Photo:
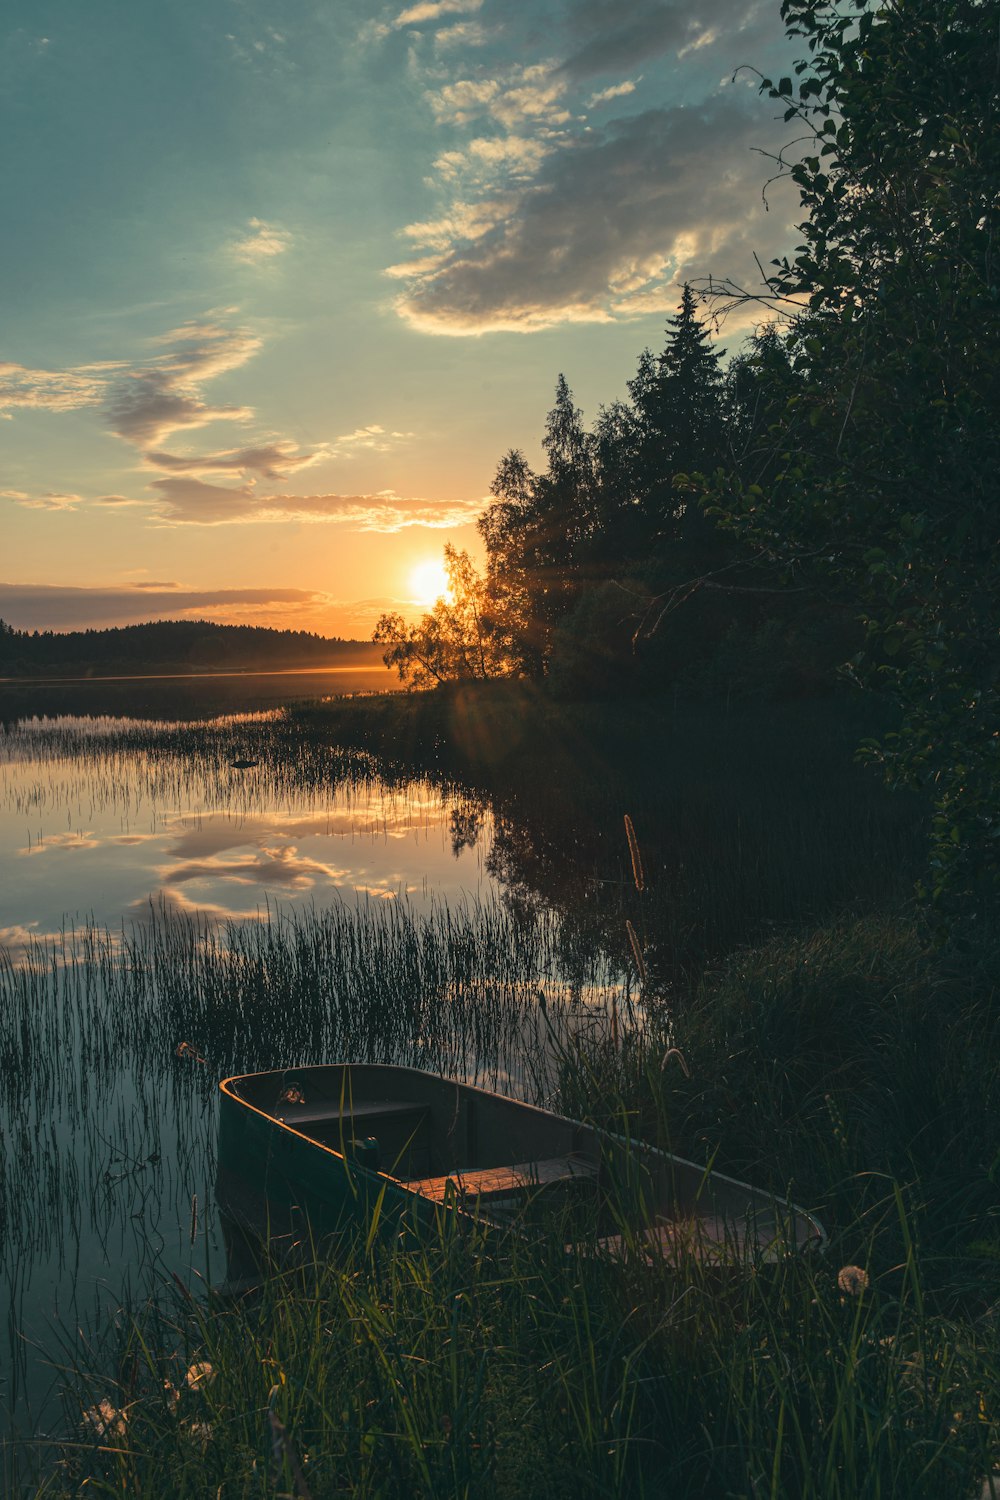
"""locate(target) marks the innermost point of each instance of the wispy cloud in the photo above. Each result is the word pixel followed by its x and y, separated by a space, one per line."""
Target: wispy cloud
pixel 147 400
pixel 433 10
pixel 52 390
pixel 163 395
pixel 616 91
pixel 191 501
pixel 51 500
pixel 261 243
pixel 373 439
pixel 274 460
pixel 463 34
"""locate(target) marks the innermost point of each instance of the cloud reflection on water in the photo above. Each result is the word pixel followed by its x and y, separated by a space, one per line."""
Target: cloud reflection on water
pixel 147 824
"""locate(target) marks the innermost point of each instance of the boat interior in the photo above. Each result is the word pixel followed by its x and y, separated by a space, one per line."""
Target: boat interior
pixel 454 1143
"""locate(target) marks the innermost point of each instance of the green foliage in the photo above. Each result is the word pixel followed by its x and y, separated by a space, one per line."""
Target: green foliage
pixel 884 477
pixel 462 637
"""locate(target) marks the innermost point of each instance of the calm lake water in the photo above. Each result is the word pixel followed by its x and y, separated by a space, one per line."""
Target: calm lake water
pixel 220 881
pixel 97 828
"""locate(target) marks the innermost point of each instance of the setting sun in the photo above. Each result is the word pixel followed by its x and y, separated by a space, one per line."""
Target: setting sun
pixel 428 582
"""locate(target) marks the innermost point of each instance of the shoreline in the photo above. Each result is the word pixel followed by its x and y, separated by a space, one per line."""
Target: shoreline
pixel 187 676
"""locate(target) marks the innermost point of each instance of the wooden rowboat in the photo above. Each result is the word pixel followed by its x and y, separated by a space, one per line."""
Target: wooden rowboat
pixel 349 1141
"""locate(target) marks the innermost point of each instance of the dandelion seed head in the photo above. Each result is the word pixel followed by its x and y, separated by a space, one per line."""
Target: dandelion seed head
pixel 853 1280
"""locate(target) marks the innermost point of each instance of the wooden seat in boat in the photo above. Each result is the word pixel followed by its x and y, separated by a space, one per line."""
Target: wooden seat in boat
pixel 490 1183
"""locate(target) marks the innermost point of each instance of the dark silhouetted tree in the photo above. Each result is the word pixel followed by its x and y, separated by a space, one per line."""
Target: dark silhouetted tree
pixel 886 476
pixel 677 399
pixel 536 530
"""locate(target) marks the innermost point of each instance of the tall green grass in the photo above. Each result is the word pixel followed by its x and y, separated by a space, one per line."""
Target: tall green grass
pixel 852 1068
pixel 112 1045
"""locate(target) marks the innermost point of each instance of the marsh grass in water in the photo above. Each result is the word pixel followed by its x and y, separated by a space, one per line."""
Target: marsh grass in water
pixel 111 1047
pixel 852 1069
pixel 98 817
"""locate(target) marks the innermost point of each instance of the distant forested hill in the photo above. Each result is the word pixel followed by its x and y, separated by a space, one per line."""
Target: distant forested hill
pixel 173 646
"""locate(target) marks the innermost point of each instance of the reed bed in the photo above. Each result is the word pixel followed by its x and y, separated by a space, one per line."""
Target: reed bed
pixel 851 1068
pixel 377 1368
pixel 111 1047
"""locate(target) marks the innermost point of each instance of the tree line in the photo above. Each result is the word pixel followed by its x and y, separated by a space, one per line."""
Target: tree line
pixel 166 645
pixel 830 496
pixel 589 558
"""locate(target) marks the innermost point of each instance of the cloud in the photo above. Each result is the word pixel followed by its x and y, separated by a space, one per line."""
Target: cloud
pixel 277 459
pixel 463 34
pixel 163 396
pixel 372 439
pixel 608 227
pixel 117 501
pixel 616 91
pixel 703 39
pixel 143 402
pixel 489 158
pixel 51 390
pixel 191 501
pixel 29 606
pixel 50 501
pixel 523 94
pixel 464 221
pixel 546 217
pixel 272 460
pixel 146 401
pixel 608 37
pixel 433 10
pixel 261 243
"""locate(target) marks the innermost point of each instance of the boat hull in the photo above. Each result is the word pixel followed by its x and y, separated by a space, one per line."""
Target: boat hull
pixel 341 1144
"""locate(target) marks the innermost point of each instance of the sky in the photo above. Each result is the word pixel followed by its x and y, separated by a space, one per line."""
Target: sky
pixel 284 279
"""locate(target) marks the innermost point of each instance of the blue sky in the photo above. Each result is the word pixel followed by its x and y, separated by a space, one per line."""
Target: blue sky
pixel 284 280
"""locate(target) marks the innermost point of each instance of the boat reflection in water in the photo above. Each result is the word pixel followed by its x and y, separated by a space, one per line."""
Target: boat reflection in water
pixel 325 1147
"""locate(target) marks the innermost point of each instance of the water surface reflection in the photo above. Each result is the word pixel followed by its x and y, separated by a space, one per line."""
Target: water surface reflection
pixel 103 819
pixel 231 885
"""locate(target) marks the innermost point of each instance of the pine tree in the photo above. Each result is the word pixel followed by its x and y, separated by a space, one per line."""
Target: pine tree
pixel 677 400
pixel 537 526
